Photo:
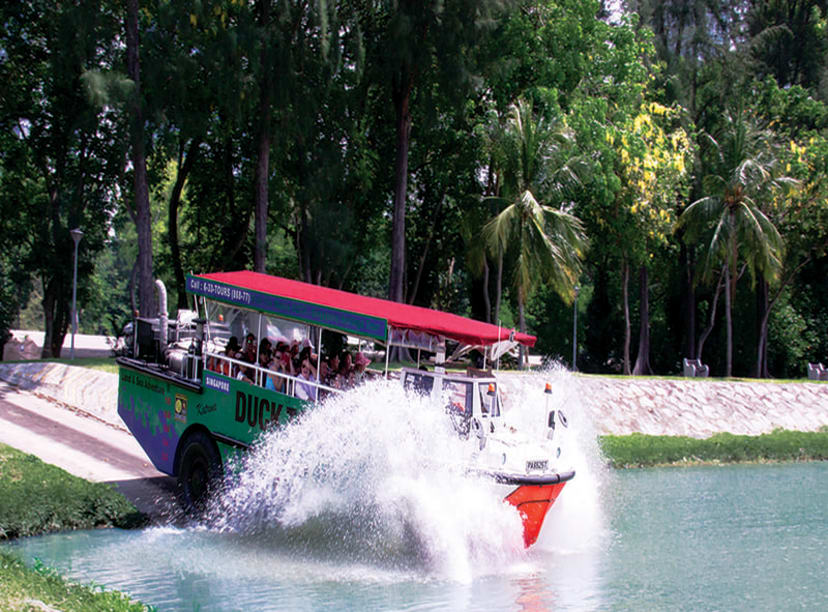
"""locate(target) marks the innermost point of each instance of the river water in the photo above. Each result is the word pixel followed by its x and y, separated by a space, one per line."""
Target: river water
pixel 348 512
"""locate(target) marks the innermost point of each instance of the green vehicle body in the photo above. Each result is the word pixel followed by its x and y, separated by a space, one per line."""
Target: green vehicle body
pixel 161 411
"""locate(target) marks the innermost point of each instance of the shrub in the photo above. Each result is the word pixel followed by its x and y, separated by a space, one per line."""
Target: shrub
pixel 639 450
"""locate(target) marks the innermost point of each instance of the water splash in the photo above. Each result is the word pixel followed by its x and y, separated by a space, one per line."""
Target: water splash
pixel 373 476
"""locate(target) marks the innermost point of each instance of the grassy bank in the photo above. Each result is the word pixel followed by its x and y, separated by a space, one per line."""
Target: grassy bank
pixel 37 498
pixel 41 588
pixel 640 450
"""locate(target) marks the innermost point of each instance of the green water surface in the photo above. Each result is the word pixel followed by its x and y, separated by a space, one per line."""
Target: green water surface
pixel 700 538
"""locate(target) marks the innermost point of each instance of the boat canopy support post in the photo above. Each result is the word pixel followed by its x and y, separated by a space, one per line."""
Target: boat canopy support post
pixel 387 350
pixel 318 354
pixel 259 374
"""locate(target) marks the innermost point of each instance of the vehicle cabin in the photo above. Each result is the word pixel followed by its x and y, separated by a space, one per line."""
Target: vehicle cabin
pixel 467 396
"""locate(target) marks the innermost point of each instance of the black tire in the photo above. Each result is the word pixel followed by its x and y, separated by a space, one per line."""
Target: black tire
pixel 199 471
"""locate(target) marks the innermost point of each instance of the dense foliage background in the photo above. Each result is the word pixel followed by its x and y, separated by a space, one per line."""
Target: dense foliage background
pixel 658 166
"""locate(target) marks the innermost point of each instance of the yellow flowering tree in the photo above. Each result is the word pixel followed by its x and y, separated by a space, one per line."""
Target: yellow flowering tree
pixel 801 217
pixel 653 152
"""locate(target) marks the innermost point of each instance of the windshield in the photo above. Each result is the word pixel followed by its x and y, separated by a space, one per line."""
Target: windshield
pixel 421 383
pixel 459 397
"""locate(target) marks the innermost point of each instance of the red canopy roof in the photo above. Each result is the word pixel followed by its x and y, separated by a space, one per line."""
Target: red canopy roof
pixel 399 316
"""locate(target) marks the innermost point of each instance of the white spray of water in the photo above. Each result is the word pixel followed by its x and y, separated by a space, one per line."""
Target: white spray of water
pixel 374 476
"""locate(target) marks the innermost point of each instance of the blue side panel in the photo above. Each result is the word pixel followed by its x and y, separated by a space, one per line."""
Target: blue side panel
pixel 287 308
pixel 152 426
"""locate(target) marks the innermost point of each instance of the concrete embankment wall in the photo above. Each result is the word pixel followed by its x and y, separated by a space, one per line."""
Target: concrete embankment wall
pixel 701 407
pixel 692 407
pixel 90 391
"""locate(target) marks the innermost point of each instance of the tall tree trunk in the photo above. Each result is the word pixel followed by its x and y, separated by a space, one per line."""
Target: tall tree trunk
pixel 723 279
pixel 642 360
pixel 402 100
pixel 498 286
pixel 625 289
pixel 185 164
pixel 761 328
pixel 487 301
pixel 55 309
pixel 729 284
pixel 132 286
pixel 261 203
pixel 142 206
pixel 304 248
pixel 56 318
pixel 688 302
pixel 262 173
pixel 49 323
pixel 421 266
pixel 229 256
pixel 730 294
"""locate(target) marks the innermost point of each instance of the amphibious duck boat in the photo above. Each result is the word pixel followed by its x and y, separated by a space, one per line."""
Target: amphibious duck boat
pixel 192 400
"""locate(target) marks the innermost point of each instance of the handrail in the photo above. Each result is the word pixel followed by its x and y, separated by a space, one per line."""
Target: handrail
pixel 259 370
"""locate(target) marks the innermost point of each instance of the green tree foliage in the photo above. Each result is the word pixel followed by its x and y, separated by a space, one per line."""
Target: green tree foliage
pixel 410 41
pixel 542 242
pixel 788 42
pixel 348 143
pixel 732 218
pixel 799 121
pixel 68 153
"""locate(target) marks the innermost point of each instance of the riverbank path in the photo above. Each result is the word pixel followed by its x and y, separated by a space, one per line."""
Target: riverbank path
pixel 86 447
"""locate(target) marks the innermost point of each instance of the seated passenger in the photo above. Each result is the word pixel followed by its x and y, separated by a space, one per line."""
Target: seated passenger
pixel 248 354
pixel 305 390
pixel 231 350
pixel 306 353
pixel 265 359
pixel 249 349
pixel 273 379
pixel 283 353
pixel 360 363
pixel 329 368
pixel 246 374
pixel 345 374
pixel 294 349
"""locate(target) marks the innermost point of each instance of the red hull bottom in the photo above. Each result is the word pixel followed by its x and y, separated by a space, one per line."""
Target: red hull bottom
pixel 533 502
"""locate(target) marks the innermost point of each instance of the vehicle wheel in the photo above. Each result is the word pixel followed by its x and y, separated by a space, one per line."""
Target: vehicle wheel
pixel 199 471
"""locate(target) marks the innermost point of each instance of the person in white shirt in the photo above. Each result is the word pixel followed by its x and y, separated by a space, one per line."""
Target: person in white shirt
pixel 304 390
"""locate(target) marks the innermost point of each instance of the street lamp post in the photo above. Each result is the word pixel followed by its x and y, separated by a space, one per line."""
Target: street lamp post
pixel 575 330
pixel 77 234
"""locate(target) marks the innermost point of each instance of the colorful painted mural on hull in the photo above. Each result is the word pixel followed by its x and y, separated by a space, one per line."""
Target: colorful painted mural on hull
pixel 159 411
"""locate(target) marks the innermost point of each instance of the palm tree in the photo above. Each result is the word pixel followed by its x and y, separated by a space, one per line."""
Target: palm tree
pixel 735 228
pixel 543 243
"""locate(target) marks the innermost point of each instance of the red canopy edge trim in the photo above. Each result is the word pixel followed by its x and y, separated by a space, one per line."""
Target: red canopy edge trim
pixel 400 316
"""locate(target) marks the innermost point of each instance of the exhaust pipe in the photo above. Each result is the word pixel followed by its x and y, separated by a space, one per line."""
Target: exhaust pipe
pixel 163 318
